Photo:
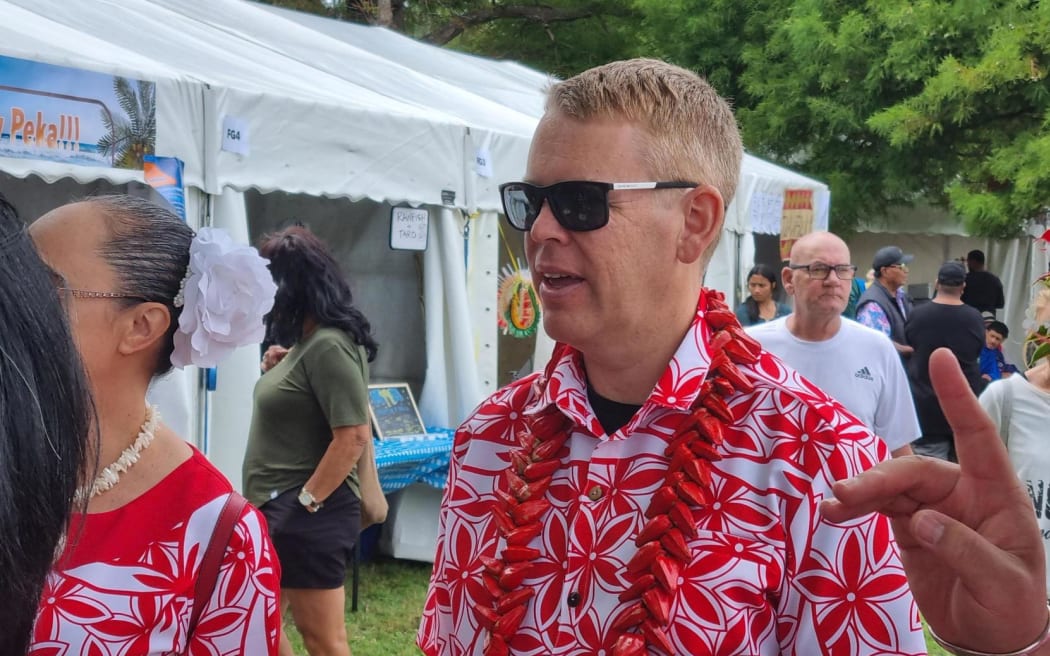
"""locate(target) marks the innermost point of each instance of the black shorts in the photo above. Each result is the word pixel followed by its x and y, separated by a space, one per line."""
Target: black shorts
pixel 314 548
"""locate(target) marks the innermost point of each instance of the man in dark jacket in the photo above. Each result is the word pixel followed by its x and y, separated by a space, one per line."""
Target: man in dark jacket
pixel 885 306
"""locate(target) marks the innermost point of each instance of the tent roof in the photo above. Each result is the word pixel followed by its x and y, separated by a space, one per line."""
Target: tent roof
pixel 508 83
pixel 331 108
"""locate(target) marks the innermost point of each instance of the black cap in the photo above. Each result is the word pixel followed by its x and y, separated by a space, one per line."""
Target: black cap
pixel 951 274
pixel 888 256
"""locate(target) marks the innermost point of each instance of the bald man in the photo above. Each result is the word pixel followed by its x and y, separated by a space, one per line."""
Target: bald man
pixel 852 363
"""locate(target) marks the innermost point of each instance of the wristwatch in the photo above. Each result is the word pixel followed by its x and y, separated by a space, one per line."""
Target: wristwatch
pixel 309 502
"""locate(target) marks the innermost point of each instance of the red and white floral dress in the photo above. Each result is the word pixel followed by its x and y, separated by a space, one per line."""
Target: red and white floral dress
pixel 766 573
pixel 125 585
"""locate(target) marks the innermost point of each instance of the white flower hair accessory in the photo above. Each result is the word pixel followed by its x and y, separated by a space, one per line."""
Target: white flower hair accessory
pixel 225 295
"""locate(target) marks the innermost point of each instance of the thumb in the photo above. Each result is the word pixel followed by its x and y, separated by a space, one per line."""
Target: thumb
pixel 980 565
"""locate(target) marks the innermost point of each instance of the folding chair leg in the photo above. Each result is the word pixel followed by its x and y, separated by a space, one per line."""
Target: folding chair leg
pixel 354 574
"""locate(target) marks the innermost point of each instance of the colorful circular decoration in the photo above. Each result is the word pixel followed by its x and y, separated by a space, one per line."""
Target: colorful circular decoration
pixel 518 303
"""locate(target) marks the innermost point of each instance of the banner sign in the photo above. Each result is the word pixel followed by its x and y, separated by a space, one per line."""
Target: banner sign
pixel 165 175
pixel 796 220
pixel 70 115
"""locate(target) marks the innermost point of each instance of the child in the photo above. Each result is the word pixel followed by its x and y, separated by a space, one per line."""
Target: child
pixel 993 364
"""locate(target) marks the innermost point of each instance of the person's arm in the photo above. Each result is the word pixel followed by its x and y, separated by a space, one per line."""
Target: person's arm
pixel 895 418
pixel 872 316
pixel 337 380
pixel 348 443
pixel 989 364
pixel 243 615
pixel 968 537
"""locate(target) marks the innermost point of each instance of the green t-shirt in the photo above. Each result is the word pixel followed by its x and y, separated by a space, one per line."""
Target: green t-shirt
pixel 321 384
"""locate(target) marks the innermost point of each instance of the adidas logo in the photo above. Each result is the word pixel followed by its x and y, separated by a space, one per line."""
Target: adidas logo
pixel 864 373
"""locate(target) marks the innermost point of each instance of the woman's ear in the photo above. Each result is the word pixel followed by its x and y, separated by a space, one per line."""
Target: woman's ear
pixel 142 326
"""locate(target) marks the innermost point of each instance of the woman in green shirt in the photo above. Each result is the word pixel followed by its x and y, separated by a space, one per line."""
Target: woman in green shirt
pixel 310 425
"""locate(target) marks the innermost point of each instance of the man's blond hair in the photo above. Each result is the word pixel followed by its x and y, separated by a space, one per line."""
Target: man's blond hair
pixel 694 135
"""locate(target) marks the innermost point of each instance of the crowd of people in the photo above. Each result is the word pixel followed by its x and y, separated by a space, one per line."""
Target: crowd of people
pixel 670 483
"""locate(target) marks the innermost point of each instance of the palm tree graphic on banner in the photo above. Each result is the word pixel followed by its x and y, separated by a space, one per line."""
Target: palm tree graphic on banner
pixel 132 134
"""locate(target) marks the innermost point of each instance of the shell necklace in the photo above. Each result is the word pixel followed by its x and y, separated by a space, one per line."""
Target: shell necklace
pixel 110 476
pixel 670 519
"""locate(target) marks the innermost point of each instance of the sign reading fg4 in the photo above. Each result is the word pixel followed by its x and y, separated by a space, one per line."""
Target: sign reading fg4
pixel 38 131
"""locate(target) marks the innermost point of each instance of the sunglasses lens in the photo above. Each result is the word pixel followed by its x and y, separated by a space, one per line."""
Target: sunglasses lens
pixel 580 206
pixel 519 206
pixel 577 206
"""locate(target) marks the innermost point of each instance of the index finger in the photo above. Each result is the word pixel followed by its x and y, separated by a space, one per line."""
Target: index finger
pixel 893 487
pixel 980 450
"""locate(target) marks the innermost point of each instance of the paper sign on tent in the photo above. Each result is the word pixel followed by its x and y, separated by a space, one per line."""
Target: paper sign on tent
pixel 235 135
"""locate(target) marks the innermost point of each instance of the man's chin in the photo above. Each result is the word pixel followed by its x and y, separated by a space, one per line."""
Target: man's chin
pixel 563 327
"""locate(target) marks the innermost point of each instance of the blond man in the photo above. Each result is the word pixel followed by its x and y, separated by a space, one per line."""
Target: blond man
pixel 654 489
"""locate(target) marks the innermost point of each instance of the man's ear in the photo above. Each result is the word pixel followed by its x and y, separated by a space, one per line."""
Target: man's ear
pixel 787 275
pixel 142 326
pixel 704 217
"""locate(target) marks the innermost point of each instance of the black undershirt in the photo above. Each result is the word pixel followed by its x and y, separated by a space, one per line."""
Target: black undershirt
pixel 612 415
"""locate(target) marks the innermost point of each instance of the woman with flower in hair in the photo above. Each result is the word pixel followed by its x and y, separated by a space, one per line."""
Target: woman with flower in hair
pixel 1020 406
pixel 164 558
pixel 310 425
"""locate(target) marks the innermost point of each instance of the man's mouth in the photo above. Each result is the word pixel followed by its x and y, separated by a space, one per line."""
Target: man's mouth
pixel 559 280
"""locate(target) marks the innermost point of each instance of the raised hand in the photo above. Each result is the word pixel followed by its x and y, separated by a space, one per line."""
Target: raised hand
pixel 968 535
pixel 273 355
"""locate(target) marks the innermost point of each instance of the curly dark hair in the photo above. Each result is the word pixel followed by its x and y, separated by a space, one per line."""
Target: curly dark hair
pixel 310 283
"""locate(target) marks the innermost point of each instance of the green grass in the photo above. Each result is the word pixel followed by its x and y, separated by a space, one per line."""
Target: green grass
pixel 389 604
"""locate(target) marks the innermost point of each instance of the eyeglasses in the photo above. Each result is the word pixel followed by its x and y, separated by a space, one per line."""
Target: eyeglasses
pixel 83 293
pixel 578 205
pixel 902 267
pixel 822 271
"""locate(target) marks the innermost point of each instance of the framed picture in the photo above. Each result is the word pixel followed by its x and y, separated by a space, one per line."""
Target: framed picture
pixel 394 411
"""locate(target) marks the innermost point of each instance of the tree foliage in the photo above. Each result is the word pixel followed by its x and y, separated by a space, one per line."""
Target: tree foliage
pixel 890 101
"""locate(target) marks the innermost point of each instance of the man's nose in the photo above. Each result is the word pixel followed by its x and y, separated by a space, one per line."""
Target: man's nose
pixel 546 226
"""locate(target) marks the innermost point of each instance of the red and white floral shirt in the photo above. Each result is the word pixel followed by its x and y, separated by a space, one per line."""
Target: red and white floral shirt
pixel 768 574
pixel 125 586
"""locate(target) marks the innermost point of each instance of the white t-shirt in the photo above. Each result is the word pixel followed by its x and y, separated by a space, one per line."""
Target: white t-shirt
pixel 1020 411
pixel 859 368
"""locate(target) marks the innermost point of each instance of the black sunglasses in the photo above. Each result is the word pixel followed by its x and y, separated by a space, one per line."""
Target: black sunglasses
pixel 578 205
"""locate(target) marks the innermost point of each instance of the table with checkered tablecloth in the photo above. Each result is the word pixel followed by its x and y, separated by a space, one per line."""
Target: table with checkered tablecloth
pixel 409 459
pixel 412 470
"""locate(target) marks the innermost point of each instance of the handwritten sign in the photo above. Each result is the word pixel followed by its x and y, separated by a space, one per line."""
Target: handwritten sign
pixel 409 229
pixel 394 411
pixel 235 135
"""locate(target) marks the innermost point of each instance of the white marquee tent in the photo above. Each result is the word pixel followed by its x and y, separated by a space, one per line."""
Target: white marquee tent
pixel 342 122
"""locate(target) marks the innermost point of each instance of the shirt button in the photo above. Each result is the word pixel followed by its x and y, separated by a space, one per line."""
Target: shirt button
pixel 595 493
pixel 574 599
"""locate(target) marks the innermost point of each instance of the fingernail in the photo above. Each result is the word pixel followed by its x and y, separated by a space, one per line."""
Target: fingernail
pixel 929 529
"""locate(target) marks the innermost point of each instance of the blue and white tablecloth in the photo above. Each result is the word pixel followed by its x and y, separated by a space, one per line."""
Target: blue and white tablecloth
pixel 411 459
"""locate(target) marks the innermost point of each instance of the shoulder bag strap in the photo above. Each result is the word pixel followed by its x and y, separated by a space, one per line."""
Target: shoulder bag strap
pixel 208 574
